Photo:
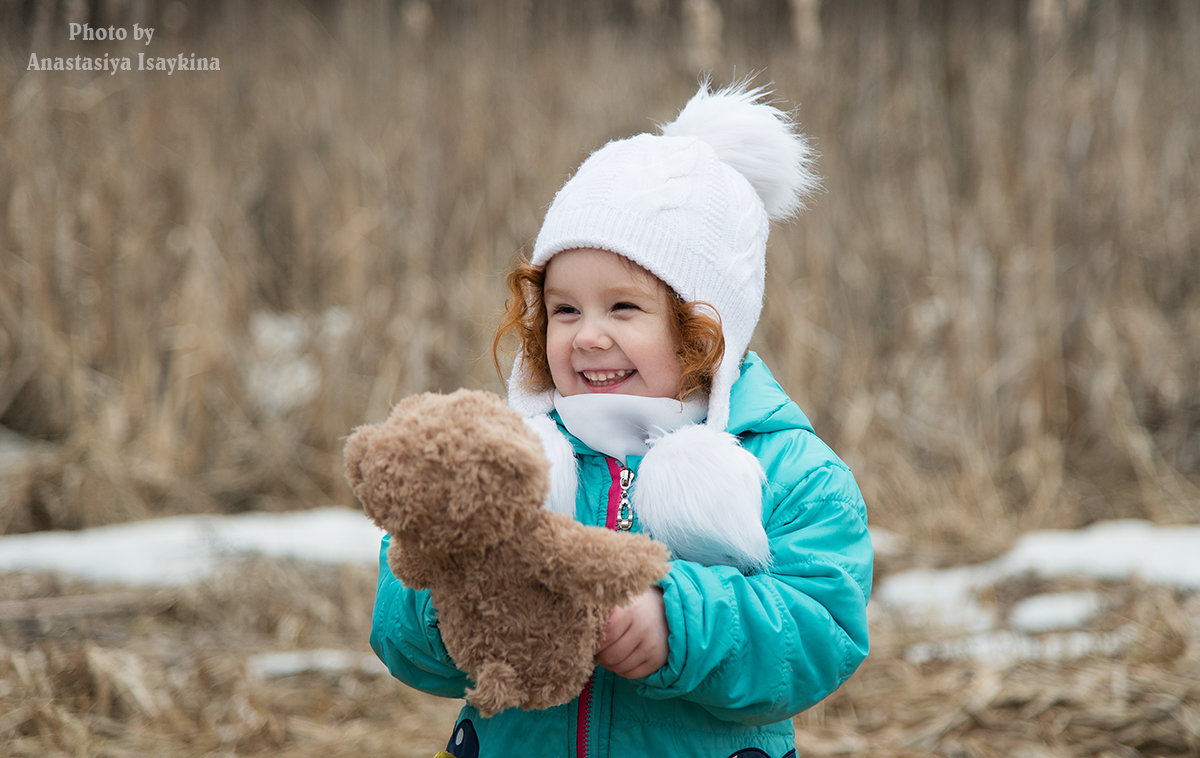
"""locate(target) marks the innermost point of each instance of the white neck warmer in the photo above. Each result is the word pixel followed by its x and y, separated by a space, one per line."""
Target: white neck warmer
pixel 623 425
pixel 697 489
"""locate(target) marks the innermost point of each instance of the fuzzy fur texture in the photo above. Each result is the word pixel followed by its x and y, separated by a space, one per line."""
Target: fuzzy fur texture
pixel 522 593
pixel 756 139
pixel 564 468
pixel 700 492
pixel 697 491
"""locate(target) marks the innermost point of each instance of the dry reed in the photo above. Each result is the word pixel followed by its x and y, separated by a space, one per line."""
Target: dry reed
pixel 209 278
pixel 172 672
pixel 992 313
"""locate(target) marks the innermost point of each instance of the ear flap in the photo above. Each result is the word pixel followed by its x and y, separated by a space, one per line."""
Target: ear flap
pixel 699 491
pixel 564 474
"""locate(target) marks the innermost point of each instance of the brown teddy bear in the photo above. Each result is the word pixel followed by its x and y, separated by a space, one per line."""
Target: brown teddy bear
pixel 522 593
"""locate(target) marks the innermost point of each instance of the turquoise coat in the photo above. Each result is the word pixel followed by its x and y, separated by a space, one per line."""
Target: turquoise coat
pixel 745 653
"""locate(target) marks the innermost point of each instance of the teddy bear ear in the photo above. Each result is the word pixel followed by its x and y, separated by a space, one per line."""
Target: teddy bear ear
pixel 366 472
pixel 352 454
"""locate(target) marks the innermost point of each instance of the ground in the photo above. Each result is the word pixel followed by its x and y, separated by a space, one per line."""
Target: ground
pixel 89 669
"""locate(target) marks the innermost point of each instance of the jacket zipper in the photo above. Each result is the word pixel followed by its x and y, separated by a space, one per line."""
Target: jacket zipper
pixel 585 719
pixel 620 509
pixel 624 507
pixel 618 518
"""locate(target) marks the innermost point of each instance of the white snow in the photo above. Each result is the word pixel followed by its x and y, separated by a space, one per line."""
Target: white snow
pixel 1055 610
pixel 291 662
pixel 953 601
pixel 184 549
pixel 1006 646
pixel 953 605
pixel 1168 555
pixel 1126 549
pixel 940 597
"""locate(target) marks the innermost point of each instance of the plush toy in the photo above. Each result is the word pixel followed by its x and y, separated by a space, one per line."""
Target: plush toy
pixel 522 593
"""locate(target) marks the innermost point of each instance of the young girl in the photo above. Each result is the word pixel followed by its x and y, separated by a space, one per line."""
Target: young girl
pixel 633 319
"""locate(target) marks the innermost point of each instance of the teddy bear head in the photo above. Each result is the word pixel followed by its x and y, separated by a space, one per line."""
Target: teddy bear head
pixel 448 474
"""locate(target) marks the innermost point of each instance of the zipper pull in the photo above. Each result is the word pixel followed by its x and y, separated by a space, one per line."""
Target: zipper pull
pixel 624 507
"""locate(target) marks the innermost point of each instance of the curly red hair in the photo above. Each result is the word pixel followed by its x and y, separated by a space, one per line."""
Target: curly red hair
pixel 696 326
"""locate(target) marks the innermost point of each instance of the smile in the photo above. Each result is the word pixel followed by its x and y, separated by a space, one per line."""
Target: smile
pixel 606 378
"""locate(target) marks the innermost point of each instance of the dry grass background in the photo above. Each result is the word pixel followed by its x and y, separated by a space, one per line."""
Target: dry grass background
pixel 993 314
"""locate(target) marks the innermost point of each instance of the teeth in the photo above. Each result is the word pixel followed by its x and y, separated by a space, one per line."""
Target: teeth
pixel 605 376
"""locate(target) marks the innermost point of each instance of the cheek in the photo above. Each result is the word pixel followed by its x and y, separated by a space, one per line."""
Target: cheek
pixel 669 372
pixel 661 368
pixel 558 351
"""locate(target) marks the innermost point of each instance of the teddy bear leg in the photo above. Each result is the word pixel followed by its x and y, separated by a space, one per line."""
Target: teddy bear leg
pixel 496 688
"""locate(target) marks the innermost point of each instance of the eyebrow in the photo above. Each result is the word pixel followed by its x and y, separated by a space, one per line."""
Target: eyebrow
pixel 614 292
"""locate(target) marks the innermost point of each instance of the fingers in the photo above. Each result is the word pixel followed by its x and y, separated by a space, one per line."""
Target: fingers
pixel 642 661
pixel 619 640
pixel 635 638
pixel 629 656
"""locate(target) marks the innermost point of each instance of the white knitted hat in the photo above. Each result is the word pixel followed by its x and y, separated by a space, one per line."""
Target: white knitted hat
pixel 693 206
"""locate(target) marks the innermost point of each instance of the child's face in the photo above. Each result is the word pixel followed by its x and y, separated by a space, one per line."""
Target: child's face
pixel 608 327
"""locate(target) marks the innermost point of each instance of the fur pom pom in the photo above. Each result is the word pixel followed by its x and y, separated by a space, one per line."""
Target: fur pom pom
pixel 755 138
pixel 700 492
pixel 564 474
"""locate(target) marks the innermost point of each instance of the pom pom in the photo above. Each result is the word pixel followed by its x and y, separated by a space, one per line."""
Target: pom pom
pixel 700 492
pixel 756 139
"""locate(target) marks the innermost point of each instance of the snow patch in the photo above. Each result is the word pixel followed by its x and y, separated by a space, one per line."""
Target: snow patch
pixel 952 605
pixel 290 663
pixel 1006 646
pixel 1115 550
pixel 954 600
pixel 1055 610
pixel 185 549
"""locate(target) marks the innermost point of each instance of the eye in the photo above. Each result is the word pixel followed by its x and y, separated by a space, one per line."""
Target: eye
pixel 625 307
pixel 563 310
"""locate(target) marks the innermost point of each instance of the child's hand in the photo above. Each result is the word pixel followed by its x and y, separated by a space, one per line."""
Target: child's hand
pixel 635 637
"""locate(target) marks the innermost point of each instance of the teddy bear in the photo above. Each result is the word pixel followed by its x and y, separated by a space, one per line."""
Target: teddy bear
pixel 522 593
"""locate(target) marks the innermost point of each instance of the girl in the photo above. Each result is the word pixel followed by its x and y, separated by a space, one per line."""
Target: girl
pixel 633 319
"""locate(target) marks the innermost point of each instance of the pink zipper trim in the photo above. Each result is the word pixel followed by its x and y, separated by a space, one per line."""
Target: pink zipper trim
pixel 614 493
pixel 585 712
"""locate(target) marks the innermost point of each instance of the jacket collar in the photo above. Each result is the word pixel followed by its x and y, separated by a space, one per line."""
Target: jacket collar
pixel 758 404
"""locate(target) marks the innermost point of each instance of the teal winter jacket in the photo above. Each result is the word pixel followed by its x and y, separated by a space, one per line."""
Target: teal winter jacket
pixel 745 653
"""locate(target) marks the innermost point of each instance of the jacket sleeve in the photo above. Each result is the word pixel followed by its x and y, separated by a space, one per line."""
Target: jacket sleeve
pixel 759 649
pixel 405 636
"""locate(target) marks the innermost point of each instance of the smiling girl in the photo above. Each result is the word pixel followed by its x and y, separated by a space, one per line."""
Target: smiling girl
pixel 633 319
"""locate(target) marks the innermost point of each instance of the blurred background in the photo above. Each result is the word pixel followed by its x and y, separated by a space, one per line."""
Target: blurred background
pixel 208 278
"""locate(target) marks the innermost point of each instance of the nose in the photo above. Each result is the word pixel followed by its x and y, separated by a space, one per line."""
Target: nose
pixel 591 335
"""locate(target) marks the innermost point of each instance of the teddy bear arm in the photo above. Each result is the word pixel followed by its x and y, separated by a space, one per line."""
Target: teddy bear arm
pixel 409 568
pixel 643 562
pixel 497 686
pixel 607 566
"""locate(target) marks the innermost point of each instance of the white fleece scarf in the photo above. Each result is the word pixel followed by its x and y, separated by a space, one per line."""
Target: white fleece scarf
pixel 623 425
pixel 697 490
